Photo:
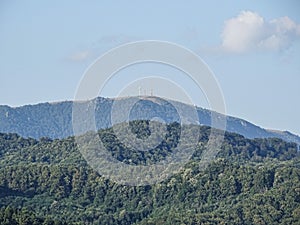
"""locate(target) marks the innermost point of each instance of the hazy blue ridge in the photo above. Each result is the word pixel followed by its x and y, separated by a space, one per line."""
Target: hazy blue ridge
pixel 54 120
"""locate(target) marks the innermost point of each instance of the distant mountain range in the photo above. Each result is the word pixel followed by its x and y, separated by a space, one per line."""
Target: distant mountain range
pixel 54 120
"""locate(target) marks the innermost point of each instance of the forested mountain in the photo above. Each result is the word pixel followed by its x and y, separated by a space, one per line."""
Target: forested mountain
pixel 251 181
pixel 54 120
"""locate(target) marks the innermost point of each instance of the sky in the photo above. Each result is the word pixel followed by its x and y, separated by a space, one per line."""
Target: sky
pixel 252 48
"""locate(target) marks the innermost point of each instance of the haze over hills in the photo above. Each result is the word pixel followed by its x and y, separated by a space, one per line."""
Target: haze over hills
pixel 54 120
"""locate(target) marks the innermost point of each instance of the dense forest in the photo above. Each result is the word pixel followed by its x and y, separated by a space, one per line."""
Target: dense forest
pixel 251 181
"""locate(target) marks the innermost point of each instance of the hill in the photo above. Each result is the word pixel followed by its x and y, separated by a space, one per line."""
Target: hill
pixel 251 181
pixel 54 120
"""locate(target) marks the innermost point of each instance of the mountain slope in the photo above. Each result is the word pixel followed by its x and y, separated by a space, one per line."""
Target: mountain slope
pixel 54 120
pixel 250 182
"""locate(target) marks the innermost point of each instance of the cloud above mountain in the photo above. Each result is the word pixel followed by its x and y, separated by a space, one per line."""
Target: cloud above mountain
pixel 250 32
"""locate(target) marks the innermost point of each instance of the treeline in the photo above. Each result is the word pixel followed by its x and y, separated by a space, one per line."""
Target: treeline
pixel 250 182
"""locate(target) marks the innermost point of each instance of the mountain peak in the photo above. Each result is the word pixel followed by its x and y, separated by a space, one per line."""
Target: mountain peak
pixel 54 119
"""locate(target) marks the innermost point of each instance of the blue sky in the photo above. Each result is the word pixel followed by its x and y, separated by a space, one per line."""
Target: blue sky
pixel 253 48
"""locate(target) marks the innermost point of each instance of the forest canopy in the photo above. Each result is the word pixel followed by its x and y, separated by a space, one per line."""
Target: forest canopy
pixel 251 181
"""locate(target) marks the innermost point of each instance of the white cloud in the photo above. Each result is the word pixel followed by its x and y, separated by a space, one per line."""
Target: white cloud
pixel 100 46
pixel 80 56
pixel 249 31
